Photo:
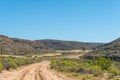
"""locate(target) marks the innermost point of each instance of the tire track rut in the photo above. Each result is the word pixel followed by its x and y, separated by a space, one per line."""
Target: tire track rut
pixel 37 71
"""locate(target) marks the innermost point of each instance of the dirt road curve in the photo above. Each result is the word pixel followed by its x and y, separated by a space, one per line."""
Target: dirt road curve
pixel 37 71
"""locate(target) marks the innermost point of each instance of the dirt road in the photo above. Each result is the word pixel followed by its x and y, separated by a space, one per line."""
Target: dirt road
pixel 37 71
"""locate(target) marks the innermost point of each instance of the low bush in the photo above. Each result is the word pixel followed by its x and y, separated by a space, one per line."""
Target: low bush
pixel 96 67
pixel 1 67
pixel 104 63
pixel 12 62
pixel 114 71
pixel 64 65
pixel 96 70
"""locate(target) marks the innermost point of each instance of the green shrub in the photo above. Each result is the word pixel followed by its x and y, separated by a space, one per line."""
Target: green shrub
pixel 64 65
pixel 104 63
pixel 114 71
pixel 1 67
pixel 12 64
pixel 96 70
pixel 83 68
pixel 7 64
pixel 96 67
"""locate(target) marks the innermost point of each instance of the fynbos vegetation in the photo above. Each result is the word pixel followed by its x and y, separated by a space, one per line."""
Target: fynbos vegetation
pixel 97 67
pixel 7 63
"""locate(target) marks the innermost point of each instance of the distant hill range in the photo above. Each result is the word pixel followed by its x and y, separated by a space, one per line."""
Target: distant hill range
pixel 68 45
pixel 22 46
pixel 110 50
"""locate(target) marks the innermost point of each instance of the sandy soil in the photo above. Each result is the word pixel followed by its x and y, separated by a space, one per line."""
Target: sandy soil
pixel 37 71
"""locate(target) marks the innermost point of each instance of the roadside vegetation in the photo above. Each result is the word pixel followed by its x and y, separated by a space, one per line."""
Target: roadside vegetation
pixel 7 63
pixel 89 69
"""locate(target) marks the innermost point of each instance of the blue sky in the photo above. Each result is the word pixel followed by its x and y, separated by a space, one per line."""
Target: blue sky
pixel 77 20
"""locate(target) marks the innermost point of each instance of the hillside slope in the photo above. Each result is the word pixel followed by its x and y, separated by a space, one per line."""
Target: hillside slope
pixel 68 45
pixel 110 50
pixel 20 46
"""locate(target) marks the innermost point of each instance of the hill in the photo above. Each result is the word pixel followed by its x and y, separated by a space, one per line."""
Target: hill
pixel 110 50
pixel 20 46
pixel 68 45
